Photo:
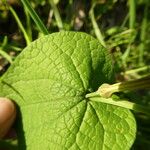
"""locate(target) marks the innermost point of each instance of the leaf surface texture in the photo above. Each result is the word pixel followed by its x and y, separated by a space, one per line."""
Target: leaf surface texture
pixel 49 81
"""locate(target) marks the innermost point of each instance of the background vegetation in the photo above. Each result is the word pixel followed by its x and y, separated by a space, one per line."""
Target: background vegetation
pixel 122 26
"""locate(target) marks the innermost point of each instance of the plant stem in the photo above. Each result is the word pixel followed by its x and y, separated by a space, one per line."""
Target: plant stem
pixel 95 26
pixel 20 25
pixel 35 17
pixel 107 90
pixel 143 34
pixel 132 17
pixel 125 21
pixel 5 55
pixel 145 68
pixel 127 51
pixel 132 13
pixel 28 23
pixel 15 48
pixel 57 15
pixel 122 103
pixel 93 94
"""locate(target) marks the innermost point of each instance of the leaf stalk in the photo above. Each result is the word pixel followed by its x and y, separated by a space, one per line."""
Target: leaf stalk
pixel 107 90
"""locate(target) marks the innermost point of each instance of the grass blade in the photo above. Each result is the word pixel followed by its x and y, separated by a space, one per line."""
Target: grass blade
pixel 35 17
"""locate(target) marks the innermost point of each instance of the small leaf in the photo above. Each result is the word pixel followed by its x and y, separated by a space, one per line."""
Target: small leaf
pixel 49 81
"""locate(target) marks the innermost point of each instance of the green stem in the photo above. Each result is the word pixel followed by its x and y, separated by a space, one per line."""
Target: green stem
pixel 28 23
pixel 15 48
pixel 132 13
pixel 107 90
pixel 125 21
pixel 93 94
pixel 122 103
pixel 5 55
pixel 95 26
pixel 20 25
pixel 127 51
pixel 143 34
pixel 57 15
pixel 132 18
pixel 145 68
pixel 35 17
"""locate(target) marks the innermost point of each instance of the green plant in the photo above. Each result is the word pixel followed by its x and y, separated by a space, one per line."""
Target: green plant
pixel 46 72
pixel 49 82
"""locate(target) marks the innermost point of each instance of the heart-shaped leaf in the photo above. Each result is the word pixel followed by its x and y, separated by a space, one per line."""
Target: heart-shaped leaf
pixel 49 81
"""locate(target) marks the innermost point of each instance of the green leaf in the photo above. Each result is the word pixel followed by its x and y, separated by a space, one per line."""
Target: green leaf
pixel 49 81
